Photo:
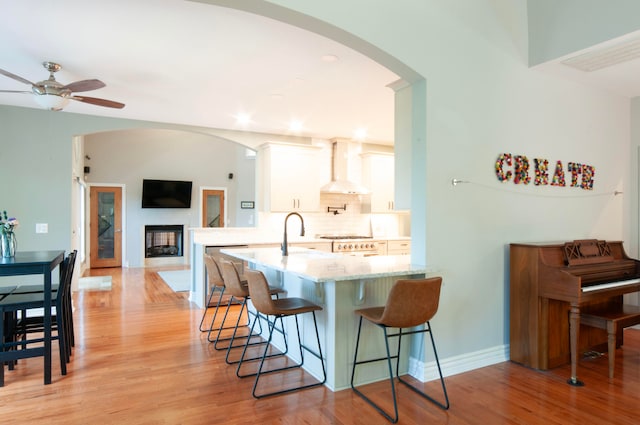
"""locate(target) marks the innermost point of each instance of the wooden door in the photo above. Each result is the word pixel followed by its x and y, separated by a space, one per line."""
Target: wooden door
pixel 105 217
pixel 213 208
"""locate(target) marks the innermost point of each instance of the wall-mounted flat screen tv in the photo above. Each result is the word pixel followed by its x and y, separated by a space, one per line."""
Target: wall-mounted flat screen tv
pixel 166 194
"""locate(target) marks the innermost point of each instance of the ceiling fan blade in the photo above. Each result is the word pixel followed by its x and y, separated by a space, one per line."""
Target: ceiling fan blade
pixel 15 77
pixel 85 85
pixel 99 102
pixel 16 91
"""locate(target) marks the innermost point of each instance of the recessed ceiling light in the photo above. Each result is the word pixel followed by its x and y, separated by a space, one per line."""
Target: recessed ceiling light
pixel 295 126
pixel 360 134
pixel 243 119
pixel 329 58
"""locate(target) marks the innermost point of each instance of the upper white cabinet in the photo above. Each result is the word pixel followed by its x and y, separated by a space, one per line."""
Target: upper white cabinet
pixel 288 177
pixel 378 176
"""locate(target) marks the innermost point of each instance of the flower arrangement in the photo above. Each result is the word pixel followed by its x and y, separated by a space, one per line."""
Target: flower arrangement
pixel 7 224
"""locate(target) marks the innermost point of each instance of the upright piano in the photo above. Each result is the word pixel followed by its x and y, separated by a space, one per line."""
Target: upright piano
pixel 550 283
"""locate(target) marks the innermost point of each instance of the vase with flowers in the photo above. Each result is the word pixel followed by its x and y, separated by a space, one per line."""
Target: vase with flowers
pixel 8 242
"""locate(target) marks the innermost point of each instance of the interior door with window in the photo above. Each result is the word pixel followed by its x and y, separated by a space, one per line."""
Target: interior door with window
pixel 212 208
pixel 106 226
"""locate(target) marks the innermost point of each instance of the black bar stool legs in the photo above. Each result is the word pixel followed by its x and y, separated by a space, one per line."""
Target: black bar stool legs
pixel 303 348
pixel 240 292
pixel 248 343
pixel 208 306
pixel 392 377
pixel 444 405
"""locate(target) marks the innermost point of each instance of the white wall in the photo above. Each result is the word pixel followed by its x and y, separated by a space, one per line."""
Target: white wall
pixel 127 157
pixel 483 100
pixel 37 169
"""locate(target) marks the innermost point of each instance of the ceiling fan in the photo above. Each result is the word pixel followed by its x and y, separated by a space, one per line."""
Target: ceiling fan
pixel 55 96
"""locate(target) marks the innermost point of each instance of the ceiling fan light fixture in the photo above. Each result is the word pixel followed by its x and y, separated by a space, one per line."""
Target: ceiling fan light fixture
pixel 52 102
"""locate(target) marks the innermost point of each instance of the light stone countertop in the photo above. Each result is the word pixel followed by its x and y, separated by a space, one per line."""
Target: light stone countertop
pixel 318 266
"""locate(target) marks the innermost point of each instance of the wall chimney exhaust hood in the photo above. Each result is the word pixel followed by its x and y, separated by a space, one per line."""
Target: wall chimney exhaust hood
pixel 340 182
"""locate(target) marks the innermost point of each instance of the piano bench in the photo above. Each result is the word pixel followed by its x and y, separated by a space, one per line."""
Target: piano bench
pixel 611 321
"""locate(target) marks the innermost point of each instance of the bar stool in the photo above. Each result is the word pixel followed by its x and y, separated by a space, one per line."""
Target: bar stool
pixel 280 308
pixel 216 284
pixel 411 303
pixel 240 293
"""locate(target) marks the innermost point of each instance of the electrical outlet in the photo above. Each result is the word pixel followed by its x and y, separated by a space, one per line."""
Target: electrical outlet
pixel 42 228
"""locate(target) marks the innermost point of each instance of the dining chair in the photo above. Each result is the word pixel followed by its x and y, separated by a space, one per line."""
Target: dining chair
pixel 411 303
pixel 34 323
pixel 280 308
pixel 15 332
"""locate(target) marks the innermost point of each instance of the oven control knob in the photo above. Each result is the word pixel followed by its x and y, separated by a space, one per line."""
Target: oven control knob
pixel 339 247
pixel 350 246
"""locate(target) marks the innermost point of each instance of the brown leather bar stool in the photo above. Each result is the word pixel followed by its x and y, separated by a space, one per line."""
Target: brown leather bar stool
pixel 216 284
pixel 411 303
pixel 280 308
pixel 240 293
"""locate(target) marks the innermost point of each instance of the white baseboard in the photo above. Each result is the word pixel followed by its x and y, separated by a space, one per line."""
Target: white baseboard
pixel 458 364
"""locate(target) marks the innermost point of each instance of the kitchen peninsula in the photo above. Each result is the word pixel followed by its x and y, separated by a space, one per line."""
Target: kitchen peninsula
pixel 340 284
pixel 212 240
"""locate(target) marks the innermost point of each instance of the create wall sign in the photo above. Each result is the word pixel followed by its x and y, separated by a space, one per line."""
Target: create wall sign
pixel 517 168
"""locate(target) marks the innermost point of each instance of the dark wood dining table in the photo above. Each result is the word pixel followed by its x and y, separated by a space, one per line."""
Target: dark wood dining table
pixel 33 263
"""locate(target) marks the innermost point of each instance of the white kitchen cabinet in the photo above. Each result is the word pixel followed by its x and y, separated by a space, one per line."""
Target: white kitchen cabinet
pixel 289 177
pixel 399 247
pixel 378 176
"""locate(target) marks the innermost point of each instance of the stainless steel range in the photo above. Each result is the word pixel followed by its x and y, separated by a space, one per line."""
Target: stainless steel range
pixel 355 244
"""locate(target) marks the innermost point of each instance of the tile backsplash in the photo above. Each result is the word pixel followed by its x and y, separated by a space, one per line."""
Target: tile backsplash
pixel 348 222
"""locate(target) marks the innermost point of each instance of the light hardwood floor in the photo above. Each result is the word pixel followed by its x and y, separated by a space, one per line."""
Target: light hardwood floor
pixel 140 359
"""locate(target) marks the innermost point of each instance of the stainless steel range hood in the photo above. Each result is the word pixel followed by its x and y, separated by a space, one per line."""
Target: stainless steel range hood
pixel 340 182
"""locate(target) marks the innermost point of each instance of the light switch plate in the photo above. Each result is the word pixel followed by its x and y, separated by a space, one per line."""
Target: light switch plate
pixel 42 227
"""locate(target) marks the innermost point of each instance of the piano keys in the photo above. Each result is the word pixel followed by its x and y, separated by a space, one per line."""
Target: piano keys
pixel 550 283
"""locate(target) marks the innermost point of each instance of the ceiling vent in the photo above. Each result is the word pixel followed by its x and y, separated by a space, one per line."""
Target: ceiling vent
pixel 605 57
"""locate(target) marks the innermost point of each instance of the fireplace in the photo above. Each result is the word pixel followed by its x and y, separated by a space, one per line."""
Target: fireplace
pixel 163 241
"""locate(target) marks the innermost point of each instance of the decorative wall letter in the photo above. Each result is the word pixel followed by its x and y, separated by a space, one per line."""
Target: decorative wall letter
pixel 502 176
pixel 542 172
pixel 588 171
pixel 574 169
pixel 558 175
pixel 521 174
